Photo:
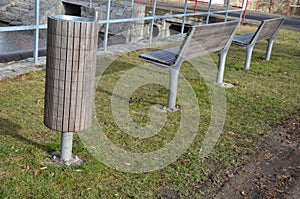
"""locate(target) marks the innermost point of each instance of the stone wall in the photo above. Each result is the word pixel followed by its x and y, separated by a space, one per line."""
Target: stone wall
pixel 271 6
pixel 21 12
pixel 130 31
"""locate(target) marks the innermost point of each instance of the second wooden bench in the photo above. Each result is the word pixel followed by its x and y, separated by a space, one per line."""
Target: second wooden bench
pixel 267 30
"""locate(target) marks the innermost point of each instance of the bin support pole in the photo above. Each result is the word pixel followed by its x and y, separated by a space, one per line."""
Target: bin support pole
pixel 66 146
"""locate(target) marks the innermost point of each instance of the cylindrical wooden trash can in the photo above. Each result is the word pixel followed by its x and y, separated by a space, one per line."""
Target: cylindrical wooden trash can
pixel 70 73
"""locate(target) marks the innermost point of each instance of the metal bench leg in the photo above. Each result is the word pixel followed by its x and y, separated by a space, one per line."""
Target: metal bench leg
pixel 173 84
pixel 269 50
pixel 221 68
pixel 249 50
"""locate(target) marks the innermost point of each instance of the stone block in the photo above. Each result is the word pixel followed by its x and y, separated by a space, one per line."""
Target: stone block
pixel 22 12
pixel 4 2
pixel 25 5
pixel 18 11
pixel 132 31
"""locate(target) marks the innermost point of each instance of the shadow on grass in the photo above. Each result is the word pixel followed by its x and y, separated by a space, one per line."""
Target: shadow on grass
pixel 117 66
pixel 9 128
pixel 138 99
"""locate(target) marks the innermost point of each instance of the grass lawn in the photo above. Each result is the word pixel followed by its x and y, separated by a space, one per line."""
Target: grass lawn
pixel 263 97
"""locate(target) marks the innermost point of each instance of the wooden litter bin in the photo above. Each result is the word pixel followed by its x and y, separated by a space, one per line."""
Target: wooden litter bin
pixel 70 73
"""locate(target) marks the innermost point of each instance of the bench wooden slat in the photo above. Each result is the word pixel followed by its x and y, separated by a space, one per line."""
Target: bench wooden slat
pixel 209 40
pixel 269 29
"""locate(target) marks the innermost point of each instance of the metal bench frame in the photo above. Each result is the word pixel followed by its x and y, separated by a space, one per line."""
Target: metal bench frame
pixel 267 30
pixel 200 40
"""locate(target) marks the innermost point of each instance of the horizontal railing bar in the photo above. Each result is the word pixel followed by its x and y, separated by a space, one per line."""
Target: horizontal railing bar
pixel 44 26
pixel 17 28
pixel 165 16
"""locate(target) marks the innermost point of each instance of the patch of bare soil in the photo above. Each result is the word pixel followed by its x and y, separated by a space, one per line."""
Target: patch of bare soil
pixel 274 172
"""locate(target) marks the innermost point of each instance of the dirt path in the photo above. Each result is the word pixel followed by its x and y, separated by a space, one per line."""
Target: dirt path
pixel 274 172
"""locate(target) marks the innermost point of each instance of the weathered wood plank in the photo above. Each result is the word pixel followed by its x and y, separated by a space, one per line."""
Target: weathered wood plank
pixel 68 70
pixel 62 75
pixel 208 40
pixel 56 67
pixel 80 69
pixel 269 29
pixel 84 65
pixel 74 76
pixel 48 84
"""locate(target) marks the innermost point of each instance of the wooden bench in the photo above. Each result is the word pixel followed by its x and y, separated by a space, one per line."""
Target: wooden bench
pixel 267 30
pixel 200 40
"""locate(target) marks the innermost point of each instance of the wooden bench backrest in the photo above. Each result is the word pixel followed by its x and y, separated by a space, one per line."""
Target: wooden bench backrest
pixel 205 39
pixel 268 28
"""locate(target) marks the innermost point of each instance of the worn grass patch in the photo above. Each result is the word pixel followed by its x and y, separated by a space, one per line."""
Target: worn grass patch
pixel 262 97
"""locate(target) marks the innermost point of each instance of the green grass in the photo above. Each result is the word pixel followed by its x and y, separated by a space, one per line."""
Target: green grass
pixel 263 97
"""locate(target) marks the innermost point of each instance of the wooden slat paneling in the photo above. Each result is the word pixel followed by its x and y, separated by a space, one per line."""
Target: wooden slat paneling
pixel 70 74
pixel 201 40
pixel 269 29
pixel 209 39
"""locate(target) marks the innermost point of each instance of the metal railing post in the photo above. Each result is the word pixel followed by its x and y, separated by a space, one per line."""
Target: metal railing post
pixel 152 22
pixel 184 17
pixel 243 11
pixel 227 8
pixel 36 35
pixel 107 25
pixel 208 12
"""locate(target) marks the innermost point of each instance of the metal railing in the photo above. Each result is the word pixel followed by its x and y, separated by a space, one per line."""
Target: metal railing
pixel 35 27
pixel 108 21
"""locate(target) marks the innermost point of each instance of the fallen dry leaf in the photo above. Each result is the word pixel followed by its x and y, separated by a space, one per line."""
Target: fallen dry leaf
pixel 35 171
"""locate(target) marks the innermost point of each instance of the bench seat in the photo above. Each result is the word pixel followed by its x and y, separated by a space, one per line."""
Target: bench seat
pixel 244 39
pixel 165 57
